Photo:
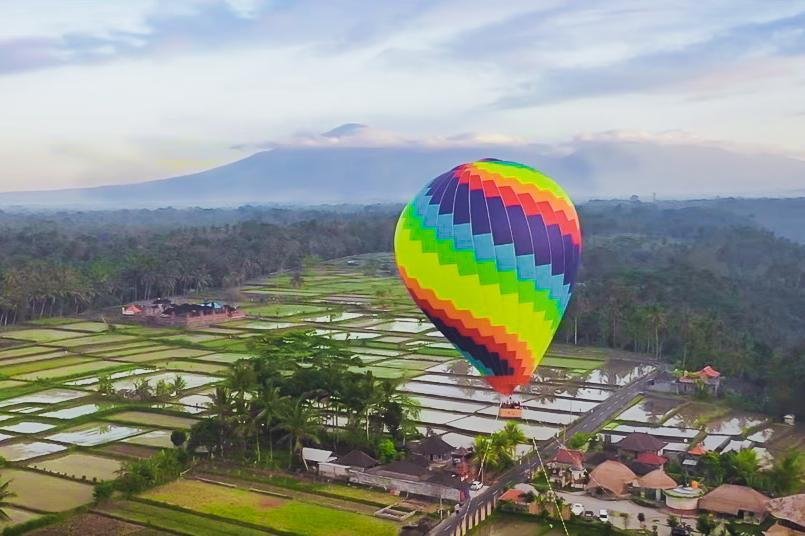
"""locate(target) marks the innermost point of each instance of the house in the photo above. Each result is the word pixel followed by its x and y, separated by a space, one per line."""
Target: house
pixel 527 501
pixel 405 476
pixel 789 514
pixel 355 460
pixel 652 485
pixel 637 443
pixel 131 310
pixel 434 448
pixel 611 480
pixel 707 378
pixel 736 501
pixel 313 457
pixel 566 468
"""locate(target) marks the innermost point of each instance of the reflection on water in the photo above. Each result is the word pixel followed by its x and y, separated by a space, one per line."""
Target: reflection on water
pixel 28 449
pixel 733 424
pixel 650 410
pixel 616 372
pixel 660 431
pixel 451 391
pixel 463 406
pixel 28 427
pixel 488 425
pixel 50 396
pixel 114 376
pixel 405 326
pixel 94 434
pixel 530 415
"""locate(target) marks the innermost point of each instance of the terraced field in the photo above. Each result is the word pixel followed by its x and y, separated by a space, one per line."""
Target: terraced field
pixel 58 434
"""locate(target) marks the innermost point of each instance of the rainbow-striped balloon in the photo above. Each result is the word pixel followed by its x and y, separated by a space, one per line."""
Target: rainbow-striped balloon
pixel 490 251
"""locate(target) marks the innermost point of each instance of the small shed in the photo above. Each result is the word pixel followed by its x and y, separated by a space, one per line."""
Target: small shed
pixel 313 457
pixel 654 483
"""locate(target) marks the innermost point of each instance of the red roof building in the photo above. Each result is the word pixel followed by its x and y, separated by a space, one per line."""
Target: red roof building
pixel 572 458
pixel 651 458
pixel 707 377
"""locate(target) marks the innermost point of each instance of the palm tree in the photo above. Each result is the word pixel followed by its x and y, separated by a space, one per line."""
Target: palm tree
pixel 5 494
pixel 178 384
pixel 488 454
pixel 241 380
pixel 300 422
pixel 270 402
pixel 221 405
pixel 512 436
pixel 142 389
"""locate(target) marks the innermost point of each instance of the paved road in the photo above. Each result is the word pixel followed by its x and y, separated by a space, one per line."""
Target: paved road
pixel 590 422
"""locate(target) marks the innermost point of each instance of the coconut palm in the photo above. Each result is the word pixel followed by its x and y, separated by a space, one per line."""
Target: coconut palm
pixel 300 422
pixel 269 403
pixel 512 436
pixel 5 494
pixel 178 384
pixel 221 404
pixel 241 380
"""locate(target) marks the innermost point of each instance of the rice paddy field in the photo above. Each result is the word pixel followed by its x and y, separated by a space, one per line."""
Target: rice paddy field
pixel 58 436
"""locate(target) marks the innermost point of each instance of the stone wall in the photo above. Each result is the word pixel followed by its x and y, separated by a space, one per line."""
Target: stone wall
pixel 424 489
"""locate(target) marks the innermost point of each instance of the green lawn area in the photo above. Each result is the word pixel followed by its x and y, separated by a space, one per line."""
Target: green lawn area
pixel 179 522
pixel 18 351
pixel 270 512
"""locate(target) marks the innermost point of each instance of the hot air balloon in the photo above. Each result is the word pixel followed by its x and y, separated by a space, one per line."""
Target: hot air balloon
pixel 490 251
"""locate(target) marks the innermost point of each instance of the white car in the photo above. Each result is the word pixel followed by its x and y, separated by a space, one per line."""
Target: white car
pixel 577 509
pixel 603 515
pixel 476 485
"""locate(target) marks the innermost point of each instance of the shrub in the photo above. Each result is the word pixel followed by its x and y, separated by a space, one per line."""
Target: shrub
pixel 104 490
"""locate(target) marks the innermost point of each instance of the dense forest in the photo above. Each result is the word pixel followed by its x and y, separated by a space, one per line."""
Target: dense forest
pixel 689 283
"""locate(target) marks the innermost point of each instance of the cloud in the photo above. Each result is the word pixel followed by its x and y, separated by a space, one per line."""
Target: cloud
pixel 667 70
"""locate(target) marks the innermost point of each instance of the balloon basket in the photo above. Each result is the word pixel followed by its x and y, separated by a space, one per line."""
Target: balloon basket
pixel 510 410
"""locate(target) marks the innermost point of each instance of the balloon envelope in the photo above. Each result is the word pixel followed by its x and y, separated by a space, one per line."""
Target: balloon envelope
pixel 490 251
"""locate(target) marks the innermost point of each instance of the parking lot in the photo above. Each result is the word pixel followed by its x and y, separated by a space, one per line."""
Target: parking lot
pixel 653 515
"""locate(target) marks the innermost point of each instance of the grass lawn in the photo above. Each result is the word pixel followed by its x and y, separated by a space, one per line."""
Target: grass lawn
pixel 178 522
pixel 47 493
pixel 270 512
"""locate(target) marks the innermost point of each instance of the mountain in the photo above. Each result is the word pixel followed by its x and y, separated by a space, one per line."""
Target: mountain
pixel 331 173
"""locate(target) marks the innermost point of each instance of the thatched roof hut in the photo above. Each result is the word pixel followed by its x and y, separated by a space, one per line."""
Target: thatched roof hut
pixel 611 479
pixel 734 500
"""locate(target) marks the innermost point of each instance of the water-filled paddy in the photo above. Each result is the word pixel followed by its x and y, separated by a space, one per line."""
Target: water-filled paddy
pixel 44 492
pixel 153 419
pixel 113 376
pixel 94 433
pixel 27 427
pixel 81 466
pixel 734 424
pixel 404 326
pixel 156 438
pixel 191 379
pixel 49 396
pixel 25 450
pixel 41 334
pixel 488 425
pixel 650 410
pixel 77 411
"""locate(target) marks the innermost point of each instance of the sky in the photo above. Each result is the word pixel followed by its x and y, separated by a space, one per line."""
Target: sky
pixel 111 91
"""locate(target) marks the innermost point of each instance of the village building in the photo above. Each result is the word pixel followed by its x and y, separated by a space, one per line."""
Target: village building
pixel 405 476
pixel 611 480
pixel 736 501
pixel 164 312
pixel 683 500
pixel 652 485
pixel 313 457
pixel 636 444
pixel 355 460
pixel 566 469
pixel 707 378
pixel 789 515
pixel 434 448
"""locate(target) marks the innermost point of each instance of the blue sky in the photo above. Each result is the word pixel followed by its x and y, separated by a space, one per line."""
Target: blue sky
pixel 110 91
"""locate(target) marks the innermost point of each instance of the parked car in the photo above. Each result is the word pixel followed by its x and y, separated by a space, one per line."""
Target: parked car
pixel 603 515
pixel 589 514
pixel 476 485
pixel 577 509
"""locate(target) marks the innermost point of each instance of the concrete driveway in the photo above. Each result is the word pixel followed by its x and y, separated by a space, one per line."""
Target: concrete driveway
pixel 653 515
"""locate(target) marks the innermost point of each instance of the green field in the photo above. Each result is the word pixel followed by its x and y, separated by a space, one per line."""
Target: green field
pixel 175 521
pixel 267 511
pixel 80 465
